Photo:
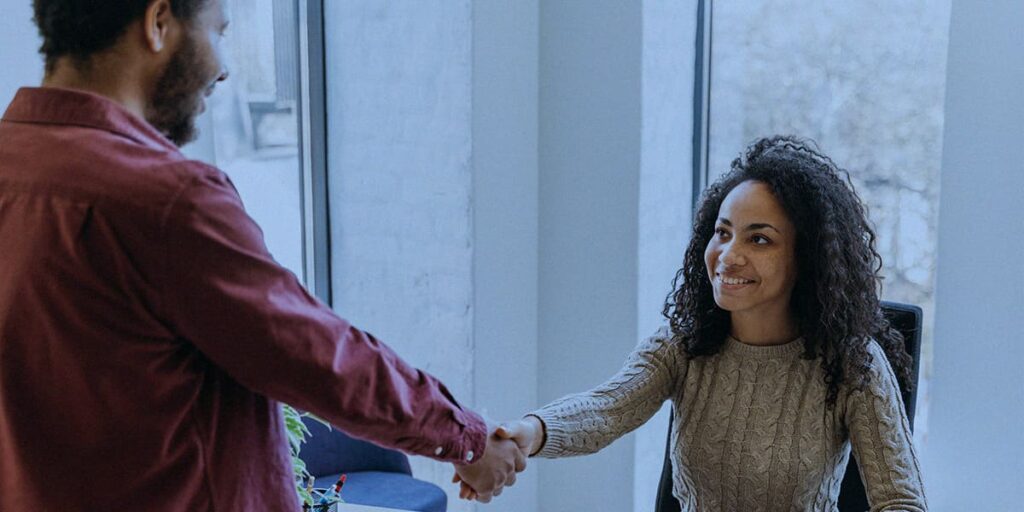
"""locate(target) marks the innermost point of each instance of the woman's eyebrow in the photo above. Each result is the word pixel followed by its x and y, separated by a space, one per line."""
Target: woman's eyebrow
pixel 762 225
pixel 752 227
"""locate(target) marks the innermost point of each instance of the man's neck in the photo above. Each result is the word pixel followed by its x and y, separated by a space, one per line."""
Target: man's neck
pixel 115 85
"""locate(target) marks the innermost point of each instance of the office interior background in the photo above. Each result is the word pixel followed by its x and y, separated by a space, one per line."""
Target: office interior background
pixel 502 189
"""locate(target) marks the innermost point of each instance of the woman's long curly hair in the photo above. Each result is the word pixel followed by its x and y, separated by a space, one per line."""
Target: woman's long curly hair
pixel 835 298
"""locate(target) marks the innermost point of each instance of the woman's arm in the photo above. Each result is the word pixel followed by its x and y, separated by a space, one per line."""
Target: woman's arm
pixel 882 441
pixel 587 422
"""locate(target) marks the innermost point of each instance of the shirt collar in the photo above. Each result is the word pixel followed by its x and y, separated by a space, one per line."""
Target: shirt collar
pixel 57 106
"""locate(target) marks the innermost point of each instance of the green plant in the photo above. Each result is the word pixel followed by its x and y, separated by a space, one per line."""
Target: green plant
pixel 297 434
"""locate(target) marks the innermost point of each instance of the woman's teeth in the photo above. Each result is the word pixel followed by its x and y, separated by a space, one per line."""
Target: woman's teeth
pixel 734 280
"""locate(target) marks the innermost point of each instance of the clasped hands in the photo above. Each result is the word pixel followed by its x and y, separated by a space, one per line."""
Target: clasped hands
pixel 508 445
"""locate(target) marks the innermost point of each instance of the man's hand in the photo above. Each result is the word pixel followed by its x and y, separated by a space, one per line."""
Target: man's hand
pixel 497 468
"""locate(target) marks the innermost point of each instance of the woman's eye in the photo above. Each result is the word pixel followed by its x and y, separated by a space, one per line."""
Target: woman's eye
pixel 721 232
pixel 760 240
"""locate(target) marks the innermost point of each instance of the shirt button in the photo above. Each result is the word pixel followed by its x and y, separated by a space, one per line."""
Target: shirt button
pixel 438 451
pixel 469 456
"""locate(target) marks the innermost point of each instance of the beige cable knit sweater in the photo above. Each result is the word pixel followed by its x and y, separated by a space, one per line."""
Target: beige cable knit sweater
pixel 751 431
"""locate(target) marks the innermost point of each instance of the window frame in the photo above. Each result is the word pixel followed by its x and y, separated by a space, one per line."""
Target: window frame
pixel 701 101
pixel 311 54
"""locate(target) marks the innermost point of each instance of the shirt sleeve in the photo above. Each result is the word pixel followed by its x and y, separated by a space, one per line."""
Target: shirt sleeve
pixel 882 441
pixel 224 293
pixel 585 423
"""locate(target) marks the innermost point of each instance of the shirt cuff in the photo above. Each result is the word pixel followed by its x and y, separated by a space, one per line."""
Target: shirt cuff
pixel 470 447
pixel 555 435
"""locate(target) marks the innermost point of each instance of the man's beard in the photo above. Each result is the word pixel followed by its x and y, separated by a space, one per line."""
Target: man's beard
pixel 176 99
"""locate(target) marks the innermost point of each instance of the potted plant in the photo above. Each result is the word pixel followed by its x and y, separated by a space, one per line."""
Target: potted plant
pixel 297 434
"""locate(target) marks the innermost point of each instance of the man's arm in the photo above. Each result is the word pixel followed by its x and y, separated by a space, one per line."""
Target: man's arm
pixel 223 292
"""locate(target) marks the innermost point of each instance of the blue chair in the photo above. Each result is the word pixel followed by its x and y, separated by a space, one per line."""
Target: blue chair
pixel 376 476
pixel 904 318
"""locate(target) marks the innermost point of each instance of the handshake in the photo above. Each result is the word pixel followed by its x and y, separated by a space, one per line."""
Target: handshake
pixel 508 446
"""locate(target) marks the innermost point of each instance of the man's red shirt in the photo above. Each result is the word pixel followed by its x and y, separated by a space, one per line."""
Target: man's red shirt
pixel 146 334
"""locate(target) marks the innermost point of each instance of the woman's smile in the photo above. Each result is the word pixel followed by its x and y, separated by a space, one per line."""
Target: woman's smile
pixel 732 283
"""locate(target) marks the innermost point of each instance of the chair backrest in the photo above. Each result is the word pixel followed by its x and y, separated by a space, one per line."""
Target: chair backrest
pixel 907 320
pixel 331 451
pixel 904 318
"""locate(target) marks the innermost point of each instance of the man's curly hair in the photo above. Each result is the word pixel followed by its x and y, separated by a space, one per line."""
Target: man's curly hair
pixel 835 298
pixel 81 28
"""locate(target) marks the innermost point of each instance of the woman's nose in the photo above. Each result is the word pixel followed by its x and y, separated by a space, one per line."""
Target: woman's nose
pixel 731 256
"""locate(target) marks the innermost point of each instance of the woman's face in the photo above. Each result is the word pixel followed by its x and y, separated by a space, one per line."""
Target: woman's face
pixel 751 258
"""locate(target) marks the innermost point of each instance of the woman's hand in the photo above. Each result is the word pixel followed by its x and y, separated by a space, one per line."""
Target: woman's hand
pixel 527 433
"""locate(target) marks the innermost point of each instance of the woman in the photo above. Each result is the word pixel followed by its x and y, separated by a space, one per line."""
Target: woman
pixel 777 357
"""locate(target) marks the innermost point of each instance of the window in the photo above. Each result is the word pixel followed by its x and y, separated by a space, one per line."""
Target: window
pixel 866 80
pixel 258 129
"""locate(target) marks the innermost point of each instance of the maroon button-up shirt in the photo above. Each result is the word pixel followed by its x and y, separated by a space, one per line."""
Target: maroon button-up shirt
pixel 146 334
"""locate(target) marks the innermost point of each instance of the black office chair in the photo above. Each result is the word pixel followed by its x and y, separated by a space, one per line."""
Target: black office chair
pixel 852 498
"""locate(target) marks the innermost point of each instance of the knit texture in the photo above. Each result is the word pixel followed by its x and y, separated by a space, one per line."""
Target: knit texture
pixel 751 431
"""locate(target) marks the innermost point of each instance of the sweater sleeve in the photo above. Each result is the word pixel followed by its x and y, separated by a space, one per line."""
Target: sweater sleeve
pixel 882 441
pixel 585 423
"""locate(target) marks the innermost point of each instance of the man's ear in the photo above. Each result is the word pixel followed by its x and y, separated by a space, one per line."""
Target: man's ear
pixel 158 25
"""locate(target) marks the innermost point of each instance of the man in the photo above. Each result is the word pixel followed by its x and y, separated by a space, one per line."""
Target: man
pixel 145 332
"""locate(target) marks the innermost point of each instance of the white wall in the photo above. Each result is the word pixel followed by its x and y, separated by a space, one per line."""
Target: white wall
pixel 19 50
pixel 669 35
pixel 399 155
pixel 974 459
pixel 590 136
pixel 415 95
pixel 505 179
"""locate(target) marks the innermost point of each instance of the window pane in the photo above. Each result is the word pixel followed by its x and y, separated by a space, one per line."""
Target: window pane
pixel 255 121
pixel 866 80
